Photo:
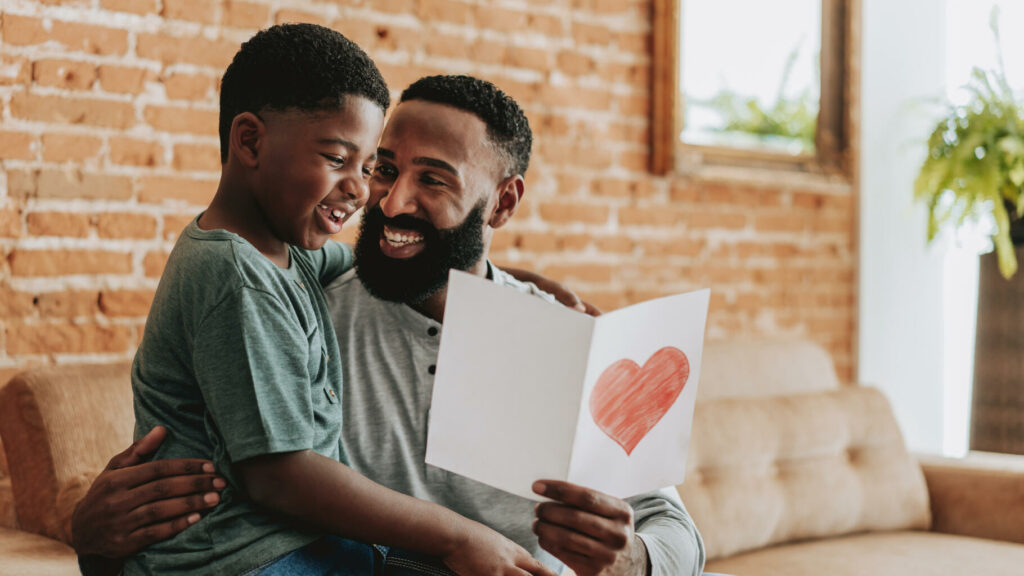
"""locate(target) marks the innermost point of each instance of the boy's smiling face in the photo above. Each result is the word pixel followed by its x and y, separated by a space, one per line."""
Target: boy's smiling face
pixel 313 169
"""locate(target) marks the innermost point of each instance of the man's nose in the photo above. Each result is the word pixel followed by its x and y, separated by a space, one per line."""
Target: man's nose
pixel 400 199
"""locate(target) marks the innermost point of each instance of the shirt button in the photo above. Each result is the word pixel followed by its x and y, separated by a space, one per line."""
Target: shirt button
pixel 331 392
pixel 432 331
pixel 432 369
pixel 301 285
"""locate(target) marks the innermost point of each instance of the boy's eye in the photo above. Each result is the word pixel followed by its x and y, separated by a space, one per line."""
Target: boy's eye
pixel 334 160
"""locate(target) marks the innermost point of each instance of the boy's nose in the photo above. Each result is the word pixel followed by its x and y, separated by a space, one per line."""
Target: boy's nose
pixel 355 190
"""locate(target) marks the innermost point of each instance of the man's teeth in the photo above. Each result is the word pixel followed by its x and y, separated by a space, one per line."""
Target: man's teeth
pixel 396 239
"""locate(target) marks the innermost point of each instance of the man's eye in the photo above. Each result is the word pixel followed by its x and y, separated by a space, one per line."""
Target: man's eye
pixel 385 171
pixel 431 181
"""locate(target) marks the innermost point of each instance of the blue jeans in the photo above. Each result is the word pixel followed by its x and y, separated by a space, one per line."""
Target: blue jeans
pixel 334 556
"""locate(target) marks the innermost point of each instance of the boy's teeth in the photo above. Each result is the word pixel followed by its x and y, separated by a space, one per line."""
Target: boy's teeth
pixel 336 213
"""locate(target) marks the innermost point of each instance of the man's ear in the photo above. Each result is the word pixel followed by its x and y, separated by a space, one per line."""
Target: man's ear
pixel 246 138
pixel 510 193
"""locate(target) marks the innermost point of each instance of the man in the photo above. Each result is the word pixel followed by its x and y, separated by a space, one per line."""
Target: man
pixel 450 171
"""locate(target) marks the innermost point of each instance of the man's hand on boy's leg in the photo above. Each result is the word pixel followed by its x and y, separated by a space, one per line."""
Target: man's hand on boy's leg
pixel 133 503
pixel 591 532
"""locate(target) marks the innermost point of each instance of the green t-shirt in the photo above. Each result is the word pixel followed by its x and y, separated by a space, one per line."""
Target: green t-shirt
pixel 238 359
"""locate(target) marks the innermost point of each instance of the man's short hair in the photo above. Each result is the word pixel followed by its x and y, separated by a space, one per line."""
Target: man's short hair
pixel 507 126
pixel 303 66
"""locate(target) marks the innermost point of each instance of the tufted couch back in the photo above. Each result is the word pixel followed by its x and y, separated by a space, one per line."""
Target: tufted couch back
pixel 60 426
pixel 781 452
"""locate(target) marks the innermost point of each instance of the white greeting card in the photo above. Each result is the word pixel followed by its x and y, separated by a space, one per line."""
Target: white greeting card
pixel 526 390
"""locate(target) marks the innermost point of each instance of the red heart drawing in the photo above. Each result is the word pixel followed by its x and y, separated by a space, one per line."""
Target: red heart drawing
pixel 628 400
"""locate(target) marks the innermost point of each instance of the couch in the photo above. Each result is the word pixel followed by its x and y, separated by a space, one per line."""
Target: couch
pixel 789 472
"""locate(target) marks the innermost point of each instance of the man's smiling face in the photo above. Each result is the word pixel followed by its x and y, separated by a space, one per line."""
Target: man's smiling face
pixel 432 192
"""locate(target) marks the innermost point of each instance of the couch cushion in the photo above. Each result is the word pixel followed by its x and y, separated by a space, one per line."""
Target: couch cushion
pixel 764 367
pixel 60 426
pixel 881 554
pixel 24 554
pixel 763 471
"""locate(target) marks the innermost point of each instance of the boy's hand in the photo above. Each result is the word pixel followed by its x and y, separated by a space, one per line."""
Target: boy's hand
pixel 132 504
pixel 487 553
pixel 590 531
pixel 560 291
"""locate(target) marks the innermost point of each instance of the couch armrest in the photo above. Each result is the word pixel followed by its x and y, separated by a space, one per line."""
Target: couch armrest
pixel 981 495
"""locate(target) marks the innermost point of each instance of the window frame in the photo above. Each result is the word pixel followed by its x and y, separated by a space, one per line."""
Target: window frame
pixel 833 156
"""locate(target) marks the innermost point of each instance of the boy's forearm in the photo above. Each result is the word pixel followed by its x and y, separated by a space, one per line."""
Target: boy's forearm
pixel 329 496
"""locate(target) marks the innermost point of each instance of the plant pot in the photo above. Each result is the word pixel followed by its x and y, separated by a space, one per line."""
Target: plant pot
pixel 997 408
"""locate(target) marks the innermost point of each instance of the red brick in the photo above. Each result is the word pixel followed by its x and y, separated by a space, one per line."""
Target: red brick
pixel 187 86
pixel 652 216
pixel 14 304
pixel 70 304
pixel 58 109
pixel 575 64
pixel 58 224
pixel 197 157
pixel 500 19
pixel 703 219
pixel 59 147
pixel 10 223
pixel 123 79
pixel 125 225
pixel 538 241
pixel 88 185
pixel 26 31
pixel 192 50
pixel 67 74
pixel 635 161
pixel 68 262
pixel 16 145
pixel 638 188
pixel 591 34
pixel 547 25
pixel 246 14
pixel 678 246
pixel 615 244
pixel 134 152
pixel 445 46
pixel 590 273
pixel 126 303
pixel 285 16
pixel 68 339
pixel 560 212
pixel 203 11
pixel 180 119
pixel 532 58
pixel 780 223
pixel 14 70
pixel 175 223
pixel 153 263
pixel 444 11
pixel 21 184
pixel 157 189
pixel 133 6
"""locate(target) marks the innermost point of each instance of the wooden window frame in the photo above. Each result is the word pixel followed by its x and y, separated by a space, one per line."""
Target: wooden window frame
pixel 832 159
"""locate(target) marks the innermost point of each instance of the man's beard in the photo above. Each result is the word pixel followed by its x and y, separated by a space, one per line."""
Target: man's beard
pixel 413 280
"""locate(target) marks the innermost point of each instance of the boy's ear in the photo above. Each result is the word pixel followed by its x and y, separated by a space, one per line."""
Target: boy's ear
pixel 247 133
pixel 510 193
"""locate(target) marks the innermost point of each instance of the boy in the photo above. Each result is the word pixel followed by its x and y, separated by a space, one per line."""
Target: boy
pixel 239 359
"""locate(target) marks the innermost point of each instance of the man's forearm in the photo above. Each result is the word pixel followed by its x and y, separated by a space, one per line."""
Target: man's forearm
pixel 671 540
pixel 330 496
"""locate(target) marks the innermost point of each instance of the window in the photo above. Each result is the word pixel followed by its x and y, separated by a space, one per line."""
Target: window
pixel 752 84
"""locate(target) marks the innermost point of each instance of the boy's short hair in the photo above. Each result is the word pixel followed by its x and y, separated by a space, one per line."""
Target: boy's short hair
pixel 302 66
pixel 507 126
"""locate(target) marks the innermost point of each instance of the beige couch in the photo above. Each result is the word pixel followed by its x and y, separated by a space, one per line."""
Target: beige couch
pixel 789 473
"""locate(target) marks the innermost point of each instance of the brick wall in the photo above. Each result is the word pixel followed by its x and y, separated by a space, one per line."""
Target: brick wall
pixel 108 145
